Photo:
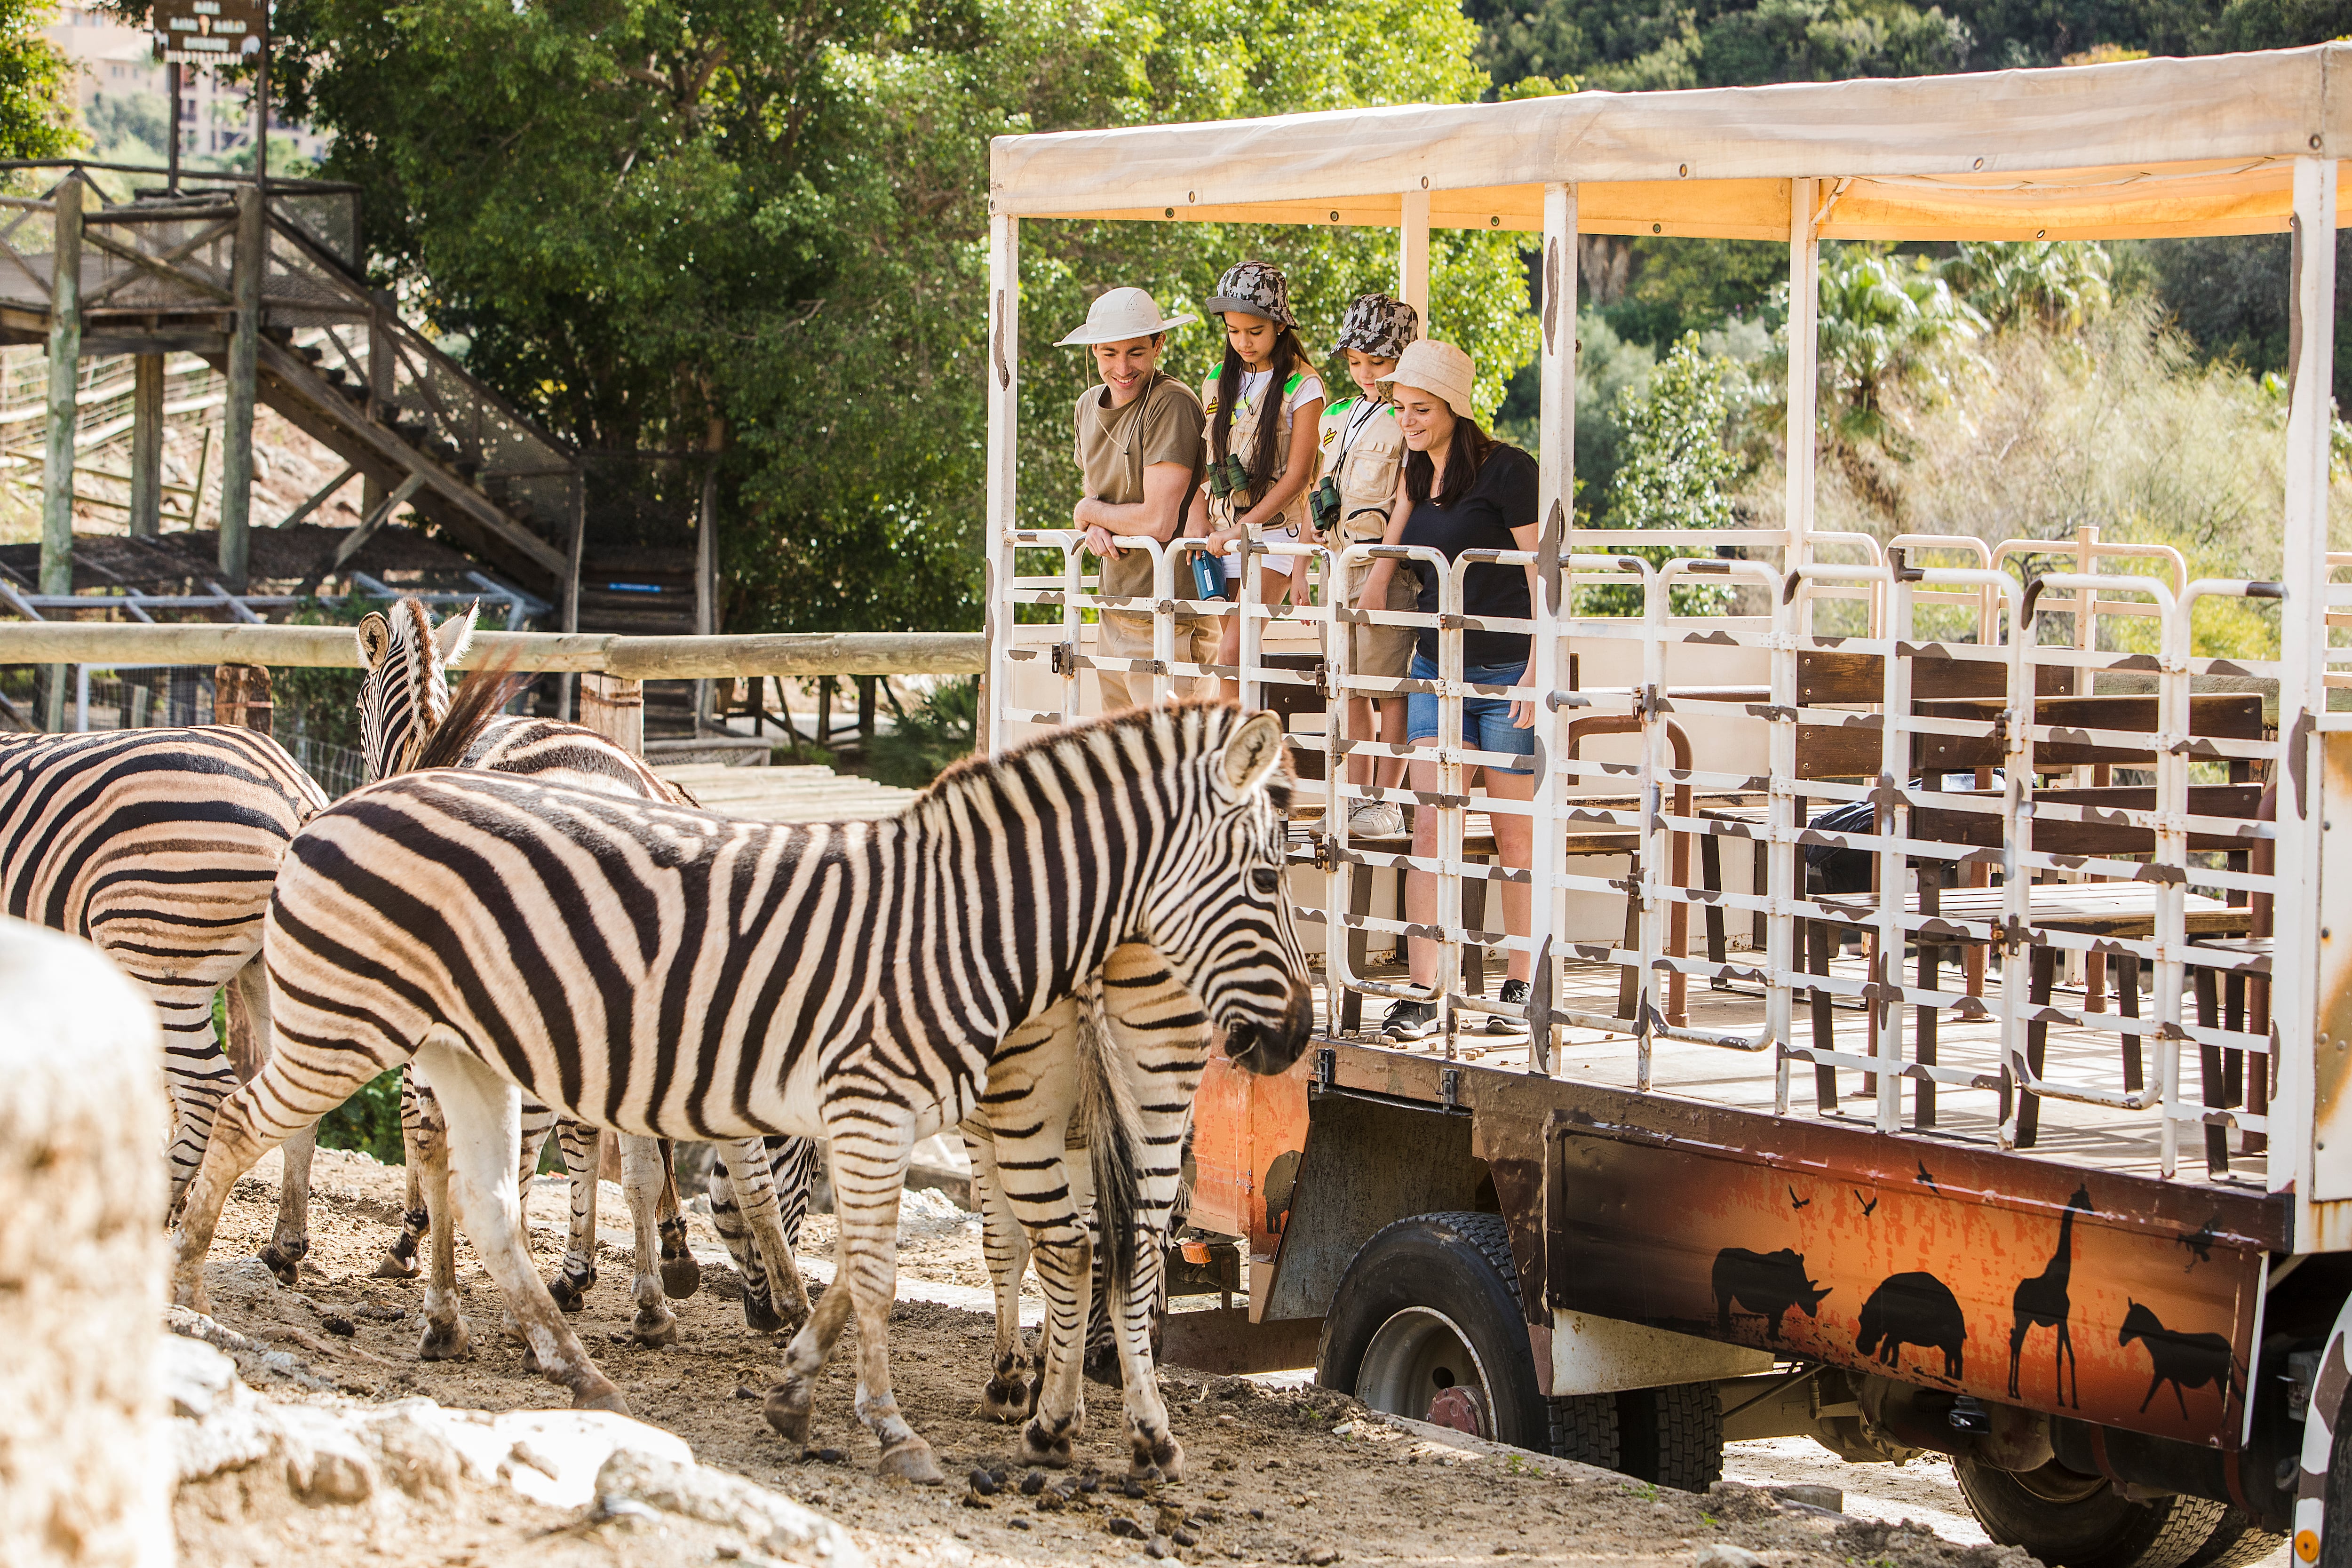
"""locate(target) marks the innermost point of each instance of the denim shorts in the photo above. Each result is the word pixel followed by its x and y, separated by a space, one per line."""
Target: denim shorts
pixel 1485 721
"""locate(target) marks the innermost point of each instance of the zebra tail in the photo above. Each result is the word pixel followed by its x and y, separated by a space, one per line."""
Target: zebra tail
pixel 477 701
pixel 1107 1110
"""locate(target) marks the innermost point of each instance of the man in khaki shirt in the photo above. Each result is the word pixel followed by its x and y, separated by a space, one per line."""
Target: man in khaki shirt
pixel 1140 449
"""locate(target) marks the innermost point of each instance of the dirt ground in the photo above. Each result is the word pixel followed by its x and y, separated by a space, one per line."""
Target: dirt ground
pixel 1273 1475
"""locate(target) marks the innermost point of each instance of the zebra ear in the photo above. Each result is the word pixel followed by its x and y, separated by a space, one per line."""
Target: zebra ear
pixel 1252 753
pixel 449 642
pixel 374 638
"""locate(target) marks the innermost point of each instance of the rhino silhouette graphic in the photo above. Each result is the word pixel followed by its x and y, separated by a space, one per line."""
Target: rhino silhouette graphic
pixel 1766 1284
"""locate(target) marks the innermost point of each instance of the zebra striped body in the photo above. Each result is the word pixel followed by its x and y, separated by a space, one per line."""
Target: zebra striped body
pixel 160 847
pixel 669 973
pixel 404 702
pixel 1083 1124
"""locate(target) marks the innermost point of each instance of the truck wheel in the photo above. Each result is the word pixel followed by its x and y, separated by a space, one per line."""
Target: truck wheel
pixel 1671 1436
pixel 1431 1304
pixel 2071 1520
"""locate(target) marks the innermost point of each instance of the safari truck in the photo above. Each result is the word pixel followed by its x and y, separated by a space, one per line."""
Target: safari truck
pixel 2036 1151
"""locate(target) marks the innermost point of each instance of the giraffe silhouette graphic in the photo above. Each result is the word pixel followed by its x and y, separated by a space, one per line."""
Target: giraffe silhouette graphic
pixel 2041 1303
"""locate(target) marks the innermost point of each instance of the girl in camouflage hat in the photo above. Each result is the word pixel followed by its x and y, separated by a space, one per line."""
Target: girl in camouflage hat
pixel 1265 387
pixel 1362 451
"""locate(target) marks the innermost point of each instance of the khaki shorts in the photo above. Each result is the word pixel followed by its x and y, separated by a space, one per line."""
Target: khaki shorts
pixel 1385 652
pixel 1125 635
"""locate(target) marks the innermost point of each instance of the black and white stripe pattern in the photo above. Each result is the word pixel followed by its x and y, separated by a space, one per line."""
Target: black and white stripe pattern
pixel 404 700
pixel 667 973
pixel 1077 1153
pixel 160 847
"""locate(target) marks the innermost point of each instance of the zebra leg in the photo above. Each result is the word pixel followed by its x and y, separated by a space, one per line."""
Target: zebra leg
pixel 791 1165
pixel 681 1276
pixel 755 1195
pixel 643 1169
pixel 445 1337
pixel 726 1218
pixel 198 1075
pixel 1158 1455
pixel 400 1259
pixel 484 1114
pixel 247 999
pixel 582 1147
pixel 1009 1394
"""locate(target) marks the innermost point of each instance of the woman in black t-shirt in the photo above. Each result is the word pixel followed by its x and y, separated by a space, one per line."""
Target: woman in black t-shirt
pixel 1461 491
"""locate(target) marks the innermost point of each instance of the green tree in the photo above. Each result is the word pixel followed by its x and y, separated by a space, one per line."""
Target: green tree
pixel 2062 284
pixel 37 85
pixel 1883 318
pixel 1673 471
pixel 646 215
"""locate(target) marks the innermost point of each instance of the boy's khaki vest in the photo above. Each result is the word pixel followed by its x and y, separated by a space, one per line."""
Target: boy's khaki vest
pixel 1366 471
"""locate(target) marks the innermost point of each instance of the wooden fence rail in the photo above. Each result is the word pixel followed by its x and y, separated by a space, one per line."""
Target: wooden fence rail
pixel 628 658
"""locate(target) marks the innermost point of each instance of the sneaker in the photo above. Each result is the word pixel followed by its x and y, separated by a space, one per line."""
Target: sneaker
pixel 1409 1021
pixel 1516 990
pixel 1376 819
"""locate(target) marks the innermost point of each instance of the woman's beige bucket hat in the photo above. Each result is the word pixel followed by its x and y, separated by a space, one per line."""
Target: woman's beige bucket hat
pixel 1433 366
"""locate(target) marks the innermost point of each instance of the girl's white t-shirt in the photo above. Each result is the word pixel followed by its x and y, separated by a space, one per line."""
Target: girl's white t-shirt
pixel 1309 390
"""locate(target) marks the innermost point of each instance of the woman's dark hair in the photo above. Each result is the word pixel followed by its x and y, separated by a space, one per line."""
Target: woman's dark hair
pixel 1288 353
pixel 1464 455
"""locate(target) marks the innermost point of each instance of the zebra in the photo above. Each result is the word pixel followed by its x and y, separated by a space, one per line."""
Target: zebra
pixel 404 703
pixel 667 971
pixel 159 845
pixel 1084 1116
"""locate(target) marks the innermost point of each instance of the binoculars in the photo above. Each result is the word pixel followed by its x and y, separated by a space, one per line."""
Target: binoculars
pixel 1228 477
pixel 1323 505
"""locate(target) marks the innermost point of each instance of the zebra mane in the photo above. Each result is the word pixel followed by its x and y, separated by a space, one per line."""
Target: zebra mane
pixel 477 702
pixel 1217 721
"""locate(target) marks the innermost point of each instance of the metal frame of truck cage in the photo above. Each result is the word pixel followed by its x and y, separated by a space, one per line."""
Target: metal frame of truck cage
pixel 2239 144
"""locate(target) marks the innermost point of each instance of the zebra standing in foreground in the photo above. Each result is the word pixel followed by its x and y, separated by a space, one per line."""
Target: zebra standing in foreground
pixel 1053 1148
pixel 160 847
pixel 671 973
pixel 405 707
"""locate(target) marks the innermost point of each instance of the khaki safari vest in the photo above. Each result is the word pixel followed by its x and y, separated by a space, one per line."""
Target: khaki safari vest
pixel 1365 466
pixel 1242 439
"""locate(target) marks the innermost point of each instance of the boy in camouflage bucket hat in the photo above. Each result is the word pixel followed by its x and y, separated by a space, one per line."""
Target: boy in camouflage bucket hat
pixel 1363 450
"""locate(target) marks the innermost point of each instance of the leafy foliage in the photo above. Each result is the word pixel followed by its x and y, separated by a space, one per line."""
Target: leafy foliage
pixel 941 729
pixel 369 1120
pixel 1673 470
pixel 37 85
pixel 1883 317
pixel 2059 283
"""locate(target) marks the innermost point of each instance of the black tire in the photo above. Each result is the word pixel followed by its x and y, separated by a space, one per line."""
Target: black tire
pixel 2237 1540
pixel 1584 1428
pixel 1417 1293
pixel 2071 1520
pixel 1671 1436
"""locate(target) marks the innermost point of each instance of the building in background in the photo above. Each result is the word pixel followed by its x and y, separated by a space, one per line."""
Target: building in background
pixel 123 96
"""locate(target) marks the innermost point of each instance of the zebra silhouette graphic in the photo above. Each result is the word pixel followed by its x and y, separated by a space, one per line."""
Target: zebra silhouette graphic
pixel 2184 1361
pixel 2041 1302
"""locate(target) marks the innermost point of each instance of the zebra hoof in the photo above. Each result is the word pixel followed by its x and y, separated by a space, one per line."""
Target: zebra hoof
pixel 570 1291
pixel 394 1267
pixel 611 1399
pixel 911 1460
pixel 1008 1399
pixel 654 1328
pixel 1160 1461
pixel 787 1410
pixel 445 1341
pixel 759 1315
pixel 1039 1446
pixel 285 1262
pixel 681 1277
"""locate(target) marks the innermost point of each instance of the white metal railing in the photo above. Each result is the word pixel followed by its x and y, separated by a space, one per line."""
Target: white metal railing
pixel 1697 742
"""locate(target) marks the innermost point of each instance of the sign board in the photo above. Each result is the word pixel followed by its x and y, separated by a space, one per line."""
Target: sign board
pixel 210 32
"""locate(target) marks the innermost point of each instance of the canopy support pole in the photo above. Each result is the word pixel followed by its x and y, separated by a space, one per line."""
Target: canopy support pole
pixel 1413 256
pixel 2312 1149
pixel 1804 363
pixel 1556 504
pixel 1004 433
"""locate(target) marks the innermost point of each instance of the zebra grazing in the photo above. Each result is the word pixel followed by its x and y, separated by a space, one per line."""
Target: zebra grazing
pixel 409 719
pixel 669 972
pixel 1084 1117
pixel 159 846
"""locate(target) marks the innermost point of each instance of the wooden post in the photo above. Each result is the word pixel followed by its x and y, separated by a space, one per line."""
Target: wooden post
pixel 243 357
pixel 58 455
pixel 866 707
pixel 1548 672
pixel 379 385
pixel 565 684
pixel 1412 254
pixel 147 447
pixel 1804 351
pixel 1003 465
pixel 706 561
pixel 615 709
pixel 241 697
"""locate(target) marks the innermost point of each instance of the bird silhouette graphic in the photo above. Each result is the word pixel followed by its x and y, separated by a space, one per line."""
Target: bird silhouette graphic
pixel 1869 1206
pixel 2200 1242
pixel 1797 1202
pixel 1927 1180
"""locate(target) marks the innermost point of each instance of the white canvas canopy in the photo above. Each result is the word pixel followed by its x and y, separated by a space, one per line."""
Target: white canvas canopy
pixel 2142 148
